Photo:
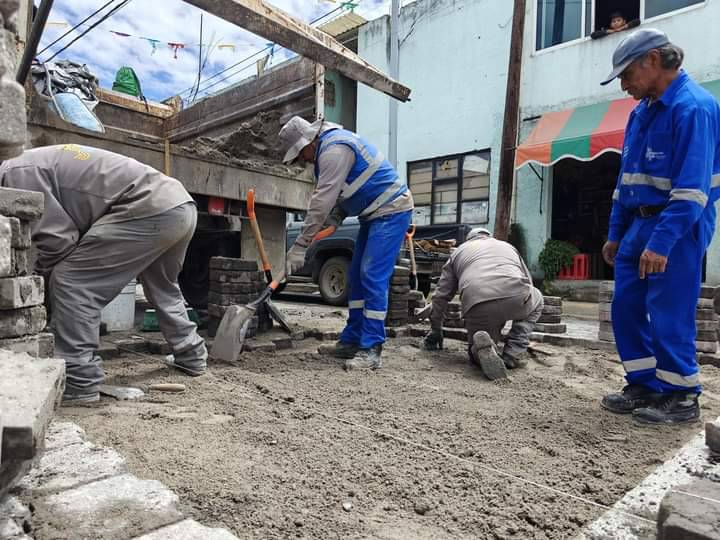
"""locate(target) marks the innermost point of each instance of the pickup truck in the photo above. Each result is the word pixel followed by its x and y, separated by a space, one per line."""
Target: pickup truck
pixel 327 261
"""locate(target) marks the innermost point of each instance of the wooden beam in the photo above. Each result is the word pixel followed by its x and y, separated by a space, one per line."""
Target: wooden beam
pixel 159 110
pixel 284 29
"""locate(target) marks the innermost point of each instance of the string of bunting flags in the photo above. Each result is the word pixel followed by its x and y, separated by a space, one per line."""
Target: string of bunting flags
pixel 177 46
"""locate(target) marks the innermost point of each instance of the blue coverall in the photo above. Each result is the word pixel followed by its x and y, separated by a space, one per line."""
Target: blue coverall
pixel 371 184
pixel 670 161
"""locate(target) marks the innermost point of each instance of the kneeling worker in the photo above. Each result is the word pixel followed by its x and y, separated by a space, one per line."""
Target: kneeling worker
pixel 107 220
pixel 495 287
pixel 353 179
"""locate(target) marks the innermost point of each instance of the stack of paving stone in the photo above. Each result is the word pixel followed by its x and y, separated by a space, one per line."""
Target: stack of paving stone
pixel 706 321
pixel 605 296
pixel 22 313
pixel 398 296
pixel 454 316
pixel 235 282
pixel 550 322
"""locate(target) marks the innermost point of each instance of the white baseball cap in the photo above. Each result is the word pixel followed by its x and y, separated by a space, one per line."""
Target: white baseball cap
pixel 297 133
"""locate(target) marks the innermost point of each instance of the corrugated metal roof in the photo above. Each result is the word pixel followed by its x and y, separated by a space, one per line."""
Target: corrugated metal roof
pixel 342 24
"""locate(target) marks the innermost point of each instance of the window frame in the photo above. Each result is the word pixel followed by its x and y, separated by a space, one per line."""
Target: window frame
pixel 456 180
pixel 583 20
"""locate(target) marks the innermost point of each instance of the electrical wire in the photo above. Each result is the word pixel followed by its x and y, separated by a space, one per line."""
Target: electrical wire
pixel 91 27
pixel 86 19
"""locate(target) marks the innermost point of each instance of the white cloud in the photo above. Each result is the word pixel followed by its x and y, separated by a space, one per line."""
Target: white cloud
pixel 160 74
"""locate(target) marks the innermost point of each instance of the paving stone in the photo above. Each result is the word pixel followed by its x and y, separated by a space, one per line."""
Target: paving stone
pixel 606 327
pixel 20 262
pixel 230 299
pixel 9 529
pixel 401 271
pixel 30 391
pixel 159 346
pixel 254 346
pixel 188 530
pixel 550 319
pixel 706 325
pixel 400 289
pixel 552 310
pixel 131 344
pixel 282 344
pixel 460 334
pixel 606 336
pixel 552 300
pixel 457 323
pixel 227 276
pixel 605 296
pixel 708 359
pixel 70 466
pixel 607 286
pixel 330 335
pixel 116 508
pixel 107 351
pixel 690 512
pixel 707 335
pixel 36 345
pixel 237 288
pixel 706 346
pixel 396 332
pixel 12 116
pixel 551 328
pixel 712 436
pixel 298 335
pixel 417 330
pixel 605 316
pixel 21 233
pixel 228 263
pixel 706 315
pixel 708 291
pixel 5 247
pixel 705 303
pixel 20 203
pixel 20 292
pixel 396 323
pixel 63 434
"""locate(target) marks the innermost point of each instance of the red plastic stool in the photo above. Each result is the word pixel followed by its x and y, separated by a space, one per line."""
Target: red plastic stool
pixel 580 268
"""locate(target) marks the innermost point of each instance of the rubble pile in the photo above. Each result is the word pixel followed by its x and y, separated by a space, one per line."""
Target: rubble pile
pixel 235 282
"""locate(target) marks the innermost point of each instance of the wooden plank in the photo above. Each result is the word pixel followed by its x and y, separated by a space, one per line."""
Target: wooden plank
pixel 284 29
pixel 130 102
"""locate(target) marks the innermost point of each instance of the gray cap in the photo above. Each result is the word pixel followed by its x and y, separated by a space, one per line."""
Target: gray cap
pixel 298 133
pixel 477 233
pixel 633 47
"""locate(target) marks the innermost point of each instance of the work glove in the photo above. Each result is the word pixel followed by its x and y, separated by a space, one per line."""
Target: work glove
pixel 335 218
pixel 295 259
pixel 434 340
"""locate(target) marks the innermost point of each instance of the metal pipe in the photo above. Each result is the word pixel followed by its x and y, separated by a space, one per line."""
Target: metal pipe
pixel 33 40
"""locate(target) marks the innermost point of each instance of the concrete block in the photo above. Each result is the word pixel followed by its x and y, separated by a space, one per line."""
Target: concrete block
pixel 21 233
pixel 605 296
pixel 708 291
pixel 229 263
pixel 396 332
pixel 20 262
pixel 36 345
pixel 606 336
pixel 13 122
pixel 227 276
pixel 705 315
pixel 550 319
pixel 455 333
pixel 21 292
pixel 116 508
pixel 231 299
pixel 712 435
pixel 20 203
pixel 604 316
pixel 63 434
pixel 254 346
pixel 706 346
pixel 705 303
pixel 552 300
pixel 706 335
pixel 285 343
pixel 551 328
pixel 107 351
pixel 606 286
pixel 706 326
pixel 131 344
pixel 30 391
pixel 70 466
pixel 690 512
pixel 255 287
pixel 552 310
pixel 188 530
pixel 330 336
pixel 709 359
pixel 5 247
pixel 21 322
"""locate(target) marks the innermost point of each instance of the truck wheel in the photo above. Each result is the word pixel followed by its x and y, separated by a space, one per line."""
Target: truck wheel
pixel 333 280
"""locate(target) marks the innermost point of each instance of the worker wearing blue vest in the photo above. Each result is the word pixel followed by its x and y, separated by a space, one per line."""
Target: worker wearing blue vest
pixel 353 179
pixel 662 221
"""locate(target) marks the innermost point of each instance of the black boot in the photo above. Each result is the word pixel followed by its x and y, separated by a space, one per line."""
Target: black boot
pixel 633 396
pixel 339 350
pixel 672 408
pixel 366 359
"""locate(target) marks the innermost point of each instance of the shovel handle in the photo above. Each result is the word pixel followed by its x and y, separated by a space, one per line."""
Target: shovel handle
pixel 411 249
pixel 258 237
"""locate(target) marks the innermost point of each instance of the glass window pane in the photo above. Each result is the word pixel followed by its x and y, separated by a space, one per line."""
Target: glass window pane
pixel 446 168
pixel 422 198
pixel 588 17
pixel 445 213
pixel 658 7
pixel 421 215
pixel 478 193
pixel 474 164
pixel 419 173
pixel 475 212
pixel 558 21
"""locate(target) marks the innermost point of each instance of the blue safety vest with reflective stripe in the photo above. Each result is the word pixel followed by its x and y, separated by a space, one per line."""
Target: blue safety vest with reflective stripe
pixel 372 181
pixel 671 158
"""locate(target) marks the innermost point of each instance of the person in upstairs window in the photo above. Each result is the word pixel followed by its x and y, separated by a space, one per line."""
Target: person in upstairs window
pixel 618 23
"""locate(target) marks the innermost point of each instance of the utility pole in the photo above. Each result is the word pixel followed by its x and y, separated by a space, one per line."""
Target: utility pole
pixel 510 124
pixel 395 75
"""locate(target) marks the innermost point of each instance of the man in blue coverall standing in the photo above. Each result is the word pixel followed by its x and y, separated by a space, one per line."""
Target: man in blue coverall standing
pixel 353 179
pixel 662 221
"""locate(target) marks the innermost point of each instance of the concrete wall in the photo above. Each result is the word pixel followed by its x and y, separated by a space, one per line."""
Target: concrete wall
pixel 343 111
pixel 453 56
pixel 568 75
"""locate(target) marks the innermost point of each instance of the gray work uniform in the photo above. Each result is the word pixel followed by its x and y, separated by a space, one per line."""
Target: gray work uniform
pixel 108 219
pixel 495 286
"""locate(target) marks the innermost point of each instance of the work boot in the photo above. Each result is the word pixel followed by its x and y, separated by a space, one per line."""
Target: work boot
pixel 670 409
pixel 633 396
pixel 483 353
pixel 71 397
pixel 366 359
pixel 339 350
pixel 514 361
pixel 192 362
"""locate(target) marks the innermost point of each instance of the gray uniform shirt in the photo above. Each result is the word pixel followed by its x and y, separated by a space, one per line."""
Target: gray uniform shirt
pixel 335 164
pixel 482 269
pixel 86 186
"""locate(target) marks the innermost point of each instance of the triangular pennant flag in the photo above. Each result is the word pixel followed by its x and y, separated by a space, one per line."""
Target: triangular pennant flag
pixel 175 47
pixel 227 46
pixel 153 43
pixel 121 34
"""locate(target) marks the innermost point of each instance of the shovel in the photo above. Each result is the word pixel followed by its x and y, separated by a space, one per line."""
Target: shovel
pixel 233 327
pixel 272 308
pixel 413 267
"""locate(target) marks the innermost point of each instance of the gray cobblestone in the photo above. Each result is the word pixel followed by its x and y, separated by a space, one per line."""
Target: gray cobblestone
pixel 21 292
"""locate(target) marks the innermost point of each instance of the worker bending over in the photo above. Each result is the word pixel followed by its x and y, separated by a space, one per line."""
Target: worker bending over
pixel 107 220
pixel 353 179
pixel 495 286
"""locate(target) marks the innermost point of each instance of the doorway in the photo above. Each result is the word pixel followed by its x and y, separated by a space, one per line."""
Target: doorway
pixel 582 201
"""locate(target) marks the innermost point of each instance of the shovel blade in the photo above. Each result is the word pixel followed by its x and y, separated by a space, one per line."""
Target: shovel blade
pixel 230 335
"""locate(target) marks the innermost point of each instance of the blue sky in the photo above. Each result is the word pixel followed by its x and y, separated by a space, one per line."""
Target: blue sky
pixel 161 74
